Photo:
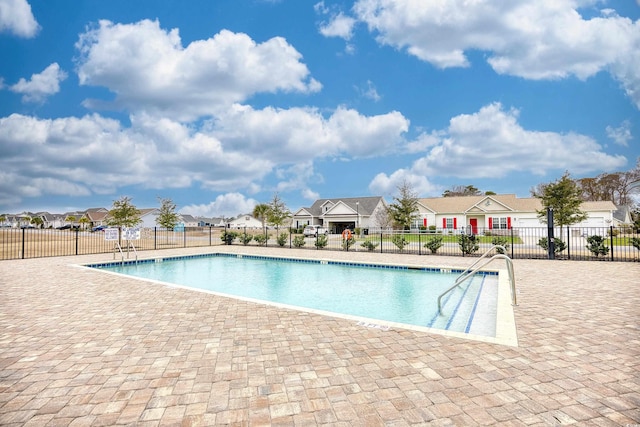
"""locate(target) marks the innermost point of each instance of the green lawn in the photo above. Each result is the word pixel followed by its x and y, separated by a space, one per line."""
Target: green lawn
pixel 446 238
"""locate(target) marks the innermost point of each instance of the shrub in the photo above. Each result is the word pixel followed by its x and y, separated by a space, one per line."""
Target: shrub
pixel 635 242
pixel 321 241
pixel 559 244
pixel 298 241
pixel 369 245
pixel 282 239
pixel 596 245
pixel 261 239
pixel 613 232
pixel 399 241
pixel 434 243
pixel 502 241
pixel 228 236
pixel 245 238
pixel 468 244
pixel 432 229
pixel 347 243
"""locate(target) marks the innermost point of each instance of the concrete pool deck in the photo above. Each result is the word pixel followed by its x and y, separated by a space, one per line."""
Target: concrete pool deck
pixel 83 348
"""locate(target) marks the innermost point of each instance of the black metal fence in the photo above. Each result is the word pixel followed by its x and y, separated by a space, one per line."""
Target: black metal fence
pixel 603 244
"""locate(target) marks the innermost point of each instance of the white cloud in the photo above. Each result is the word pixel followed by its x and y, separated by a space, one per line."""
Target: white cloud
pixel 41 85
pixel 149 70
pixel 622 134
pixel 236 151
pixel 340 25
pixel 491 143
pixel 225 205
pixel 16 18
pixel 303 133
pixel 370 91
pixel 534 39
pixel 387 185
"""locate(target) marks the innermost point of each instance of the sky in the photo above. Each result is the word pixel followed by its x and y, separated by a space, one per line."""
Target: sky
pixel 220 105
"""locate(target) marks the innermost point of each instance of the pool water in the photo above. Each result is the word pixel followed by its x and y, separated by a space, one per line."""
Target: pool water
pixel 374 293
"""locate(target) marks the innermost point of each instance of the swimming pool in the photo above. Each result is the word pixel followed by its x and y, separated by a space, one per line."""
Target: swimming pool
pixel 377 295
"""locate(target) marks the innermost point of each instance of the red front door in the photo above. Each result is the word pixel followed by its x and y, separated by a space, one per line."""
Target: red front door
pixel 473 222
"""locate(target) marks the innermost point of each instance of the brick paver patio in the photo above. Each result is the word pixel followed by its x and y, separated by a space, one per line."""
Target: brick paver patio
pixel 83 348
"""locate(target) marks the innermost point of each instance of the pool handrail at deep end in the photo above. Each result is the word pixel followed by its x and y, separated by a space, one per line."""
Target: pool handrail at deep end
pixel 471 270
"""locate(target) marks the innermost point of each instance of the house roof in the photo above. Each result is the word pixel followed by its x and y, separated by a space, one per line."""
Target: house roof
pixel 188 218
pixel 364 205
pixel 498 203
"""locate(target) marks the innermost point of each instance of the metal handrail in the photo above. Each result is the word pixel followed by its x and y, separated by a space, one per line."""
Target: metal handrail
pixel 471 270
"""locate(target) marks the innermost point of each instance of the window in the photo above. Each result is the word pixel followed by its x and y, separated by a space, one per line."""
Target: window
pixel 449 223
pixel 500 223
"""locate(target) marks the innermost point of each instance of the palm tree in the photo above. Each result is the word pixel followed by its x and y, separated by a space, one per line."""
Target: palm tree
pixel 260 212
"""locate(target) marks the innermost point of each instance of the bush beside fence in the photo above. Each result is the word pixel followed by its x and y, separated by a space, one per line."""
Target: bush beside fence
pixel 523 243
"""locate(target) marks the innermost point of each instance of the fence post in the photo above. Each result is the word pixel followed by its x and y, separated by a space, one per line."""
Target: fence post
pixel 550 238
pixel 512 243
pixel 419 243
pixel 77 231
pixel 23 231
pixel 155 238
pixel 568 242
pixel 611 239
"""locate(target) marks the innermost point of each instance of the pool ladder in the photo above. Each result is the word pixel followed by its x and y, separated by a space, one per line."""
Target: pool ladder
pixel 471 270
pixel 119 248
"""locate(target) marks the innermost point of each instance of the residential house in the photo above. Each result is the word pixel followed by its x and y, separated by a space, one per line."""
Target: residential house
pixel 622 216
pixel 498 212
pixel 211 222
pixel 243 221
pixel 341 213
pixel 148 217
pixel 188 220
pixel 96 216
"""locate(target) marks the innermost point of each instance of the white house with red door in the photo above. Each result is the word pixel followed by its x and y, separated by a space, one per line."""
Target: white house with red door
pixel 498 212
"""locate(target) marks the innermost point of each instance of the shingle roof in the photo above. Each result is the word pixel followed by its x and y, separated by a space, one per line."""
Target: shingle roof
pixel 365 206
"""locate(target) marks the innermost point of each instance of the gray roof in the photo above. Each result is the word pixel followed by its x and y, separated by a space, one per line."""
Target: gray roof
pixel 365 206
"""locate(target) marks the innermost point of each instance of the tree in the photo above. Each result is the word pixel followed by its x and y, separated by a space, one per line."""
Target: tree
pixel 260 212
pixel 564 197
pixel 167 218
pixel 460 190
pixel 278 212
pixel 382 218
pixel 84 221
pixel 123 213
pixel 610 186
pixel 37 221
pixel 405 208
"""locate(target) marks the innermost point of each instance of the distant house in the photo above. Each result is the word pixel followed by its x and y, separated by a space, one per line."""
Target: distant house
pixel 498 212
pixel 188 220
pixel 243 221
pixel 211 222
pixel 96 216
pixel 148 217
pixel 622 216
pixel 341 213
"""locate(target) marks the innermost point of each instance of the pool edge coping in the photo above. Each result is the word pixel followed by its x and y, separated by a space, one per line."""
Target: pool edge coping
pixel 506 330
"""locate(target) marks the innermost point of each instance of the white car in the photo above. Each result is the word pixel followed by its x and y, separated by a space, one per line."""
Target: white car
pixel 314 230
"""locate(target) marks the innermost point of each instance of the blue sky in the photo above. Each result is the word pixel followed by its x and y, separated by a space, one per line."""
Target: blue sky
pixel 218 105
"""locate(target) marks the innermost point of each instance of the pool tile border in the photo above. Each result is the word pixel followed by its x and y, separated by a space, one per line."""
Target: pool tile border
pixel 506 332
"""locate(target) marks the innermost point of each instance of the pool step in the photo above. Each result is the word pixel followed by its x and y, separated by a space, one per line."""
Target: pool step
pixel 463 304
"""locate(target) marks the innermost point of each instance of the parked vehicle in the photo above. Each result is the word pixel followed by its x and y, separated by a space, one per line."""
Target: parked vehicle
pixel 314 230
pixel 99 228
pixel 68 227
